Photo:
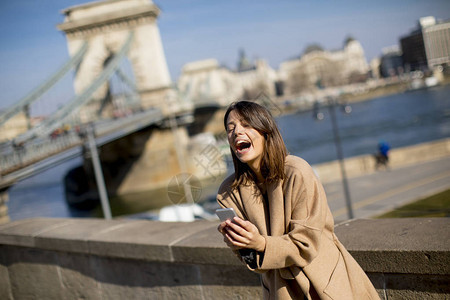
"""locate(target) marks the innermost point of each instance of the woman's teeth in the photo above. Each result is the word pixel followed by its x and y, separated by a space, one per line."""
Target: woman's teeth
pixel 241 145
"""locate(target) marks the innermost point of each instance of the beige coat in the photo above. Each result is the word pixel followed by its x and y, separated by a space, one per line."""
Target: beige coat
pixel 302 255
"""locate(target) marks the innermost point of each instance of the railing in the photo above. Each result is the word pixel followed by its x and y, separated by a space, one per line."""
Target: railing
pixel 22 155
pixel 16 157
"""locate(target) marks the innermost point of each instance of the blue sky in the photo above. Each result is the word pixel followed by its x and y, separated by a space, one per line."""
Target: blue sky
pixel 32 48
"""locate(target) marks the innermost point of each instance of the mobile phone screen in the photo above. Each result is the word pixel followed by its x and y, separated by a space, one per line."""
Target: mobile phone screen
pixel 225 213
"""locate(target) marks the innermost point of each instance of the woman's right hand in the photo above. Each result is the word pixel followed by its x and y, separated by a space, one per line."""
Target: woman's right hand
pixel 226 238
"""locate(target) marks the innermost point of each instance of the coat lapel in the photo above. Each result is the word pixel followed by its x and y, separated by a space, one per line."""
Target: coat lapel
pixel 253 203
pixel 276 208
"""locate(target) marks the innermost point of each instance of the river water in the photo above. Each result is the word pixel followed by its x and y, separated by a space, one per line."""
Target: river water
pixel 401 120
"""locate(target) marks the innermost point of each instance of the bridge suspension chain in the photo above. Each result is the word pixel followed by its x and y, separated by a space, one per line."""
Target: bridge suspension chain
pixel 44 87
pixel 59 117
pixel 132 99
pixel 126 80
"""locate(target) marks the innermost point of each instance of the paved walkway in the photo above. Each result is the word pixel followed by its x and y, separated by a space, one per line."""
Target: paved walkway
pixel 377 193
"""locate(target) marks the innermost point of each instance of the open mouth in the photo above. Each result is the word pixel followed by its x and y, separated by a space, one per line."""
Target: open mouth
pixel 242 146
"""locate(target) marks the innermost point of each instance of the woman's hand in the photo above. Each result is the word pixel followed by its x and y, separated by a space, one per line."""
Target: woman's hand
pixel 240 234
pixel 226 239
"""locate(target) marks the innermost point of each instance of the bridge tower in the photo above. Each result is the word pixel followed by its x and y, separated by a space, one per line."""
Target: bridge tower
pixel 105 26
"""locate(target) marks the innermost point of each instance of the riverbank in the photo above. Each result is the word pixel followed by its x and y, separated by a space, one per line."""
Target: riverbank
pixel 353 93
pixel 365 164
pixel 380 91
pixel 390 88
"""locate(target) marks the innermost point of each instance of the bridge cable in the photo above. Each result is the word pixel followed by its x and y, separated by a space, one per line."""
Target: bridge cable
pixel 133 98
pixel 44 87
pixel 126 80
pixel 58 118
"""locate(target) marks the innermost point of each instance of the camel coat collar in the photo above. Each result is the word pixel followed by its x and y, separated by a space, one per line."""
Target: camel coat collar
pixel 261 209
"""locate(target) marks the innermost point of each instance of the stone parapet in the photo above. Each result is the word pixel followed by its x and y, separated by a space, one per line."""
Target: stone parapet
pixel 365 164
pixel 4 217
pixel 405 258
pixel 116 259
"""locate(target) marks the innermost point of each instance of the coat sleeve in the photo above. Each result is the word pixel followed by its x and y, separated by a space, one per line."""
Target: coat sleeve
pixel 308 219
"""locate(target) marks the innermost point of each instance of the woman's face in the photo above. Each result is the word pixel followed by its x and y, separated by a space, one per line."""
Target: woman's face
pixel 245 141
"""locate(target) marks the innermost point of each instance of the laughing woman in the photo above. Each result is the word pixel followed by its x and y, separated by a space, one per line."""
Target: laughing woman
pixel 284 229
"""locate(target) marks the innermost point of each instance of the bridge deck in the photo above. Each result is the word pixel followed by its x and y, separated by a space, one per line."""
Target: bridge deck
pixel 20 162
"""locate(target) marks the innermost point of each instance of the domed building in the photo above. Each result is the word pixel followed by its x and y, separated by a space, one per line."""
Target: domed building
pixel 318 68
pixel 207 80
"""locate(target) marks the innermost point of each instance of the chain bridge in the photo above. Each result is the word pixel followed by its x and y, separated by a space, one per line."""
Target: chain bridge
pixel 149 115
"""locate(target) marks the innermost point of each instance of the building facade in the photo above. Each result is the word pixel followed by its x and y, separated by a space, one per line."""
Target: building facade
pixel 391 62
pixel 318 68
pixel 428 46
pixel 437 44
pixel 413 48
pixel 206 79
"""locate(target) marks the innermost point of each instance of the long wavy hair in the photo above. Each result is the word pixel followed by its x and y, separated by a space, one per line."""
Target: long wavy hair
pixel 274 153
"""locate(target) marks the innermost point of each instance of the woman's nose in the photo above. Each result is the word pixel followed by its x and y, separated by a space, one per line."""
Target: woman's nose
pixel 238 129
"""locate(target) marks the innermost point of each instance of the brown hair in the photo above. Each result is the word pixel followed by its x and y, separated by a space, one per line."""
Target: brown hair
pixel 274 153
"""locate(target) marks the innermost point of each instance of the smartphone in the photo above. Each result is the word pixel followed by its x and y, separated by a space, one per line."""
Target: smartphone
pixel 225 213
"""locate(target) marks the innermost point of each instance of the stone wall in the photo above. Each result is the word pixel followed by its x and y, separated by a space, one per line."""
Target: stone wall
pixel 365 164
pixel 4 197
pixel 139 259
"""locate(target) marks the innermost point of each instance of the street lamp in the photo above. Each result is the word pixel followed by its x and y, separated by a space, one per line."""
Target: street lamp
pixel 332 101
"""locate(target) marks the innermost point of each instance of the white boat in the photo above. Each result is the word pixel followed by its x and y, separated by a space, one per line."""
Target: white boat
pixel 431 81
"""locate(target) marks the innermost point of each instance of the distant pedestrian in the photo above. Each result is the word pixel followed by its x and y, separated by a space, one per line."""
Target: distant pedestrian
pixel 284 229
pixel 382 156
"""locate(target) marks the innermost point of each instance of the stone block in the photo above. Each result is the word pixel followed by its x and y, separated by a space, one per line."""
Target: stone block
pixel 147 240
pixel 405 262
pixel 22 232
pixel 5 285
pixel 120 278
pixel 204 247
pixel 73 235
pixel 407 245
pixel 4 218
pixel 229 282
pixel 232 292
pixel 34 274
pixel 414 234
pixel 77 278
pixel 378 282
pixel 228 276
pixel 412 286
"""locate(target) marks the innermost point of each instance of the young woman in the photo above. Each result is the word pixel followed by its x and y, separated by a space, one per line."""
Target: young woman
pixel 284 229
